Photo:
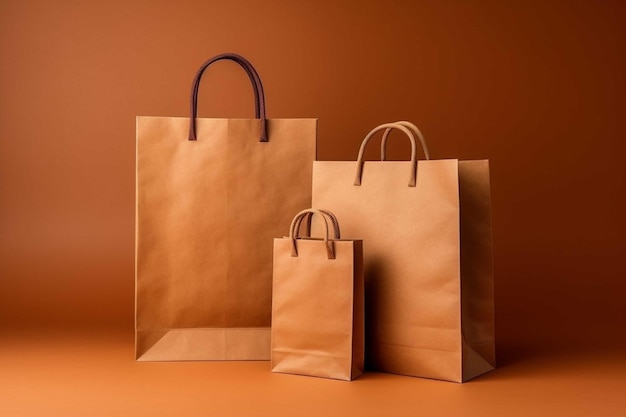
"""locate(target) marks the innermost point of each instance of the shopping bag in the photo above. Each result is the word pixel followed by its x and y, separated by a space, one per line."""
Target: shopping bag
pixel 211 196
pixel 428 257
pixel 317 305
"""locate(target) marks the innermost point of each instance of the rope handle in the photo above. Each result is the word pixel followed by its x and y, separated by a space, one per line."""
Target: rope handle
pixel 294 230
pixel 259 94
pixel 307 222
pixel 416 132
pixel 387 126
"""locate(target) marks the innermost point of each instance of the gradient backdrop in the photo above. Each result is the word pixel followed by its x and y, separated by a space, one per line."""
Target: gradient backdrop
pixel 537 87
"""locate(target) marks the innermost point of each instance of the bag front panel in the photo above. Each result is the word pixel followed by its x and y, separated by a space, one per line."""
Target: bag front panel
pixel 412 259
pixel 207 212
pixel 312 313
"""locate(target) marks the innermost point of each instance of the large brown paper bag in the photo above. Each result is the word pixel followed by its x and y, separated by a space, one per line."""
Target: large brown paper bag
pixel 211 196
pixel 428 257
pixel 317 306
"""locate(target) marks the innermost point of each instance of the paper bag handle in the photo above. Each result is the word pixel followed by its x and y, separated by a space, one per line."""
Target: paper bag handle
pixel 309 216
pixel 326 215
pixel 259 94
pixel 416 132
pixel 360 161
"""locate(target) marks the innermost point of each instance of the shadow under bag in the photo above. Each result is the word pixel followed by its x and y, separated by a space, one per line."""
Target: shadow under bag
pixel 211 196
pixel 426 228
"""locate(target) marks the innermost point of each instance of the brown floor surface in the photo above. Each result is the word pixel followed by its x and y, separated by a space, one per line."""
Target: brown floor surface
pixel 77 373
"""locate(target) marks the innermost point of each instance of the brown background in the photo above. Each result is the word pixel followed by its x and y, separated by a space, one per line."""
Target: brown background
pixel 537 87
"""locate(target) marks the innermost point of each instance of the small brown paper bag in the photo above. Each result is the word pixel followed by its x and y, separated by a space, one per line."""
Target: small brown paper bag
pixel 317 303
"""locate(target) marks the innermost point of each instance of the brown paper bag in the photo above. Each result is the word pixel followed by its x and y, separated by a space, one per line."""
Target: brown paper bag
pixel 428 258
pixel 210 197
pixel 317 305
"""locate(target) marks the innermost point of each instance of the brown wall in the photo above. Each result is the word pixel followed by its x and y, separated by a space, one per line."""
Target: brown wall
pixel 535 86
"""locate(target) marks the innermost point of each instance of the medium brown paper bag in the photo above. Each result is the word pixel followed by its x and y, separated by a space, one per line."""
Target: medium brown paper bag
pixel 211 195
pixel 428 257
pixel 317 306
